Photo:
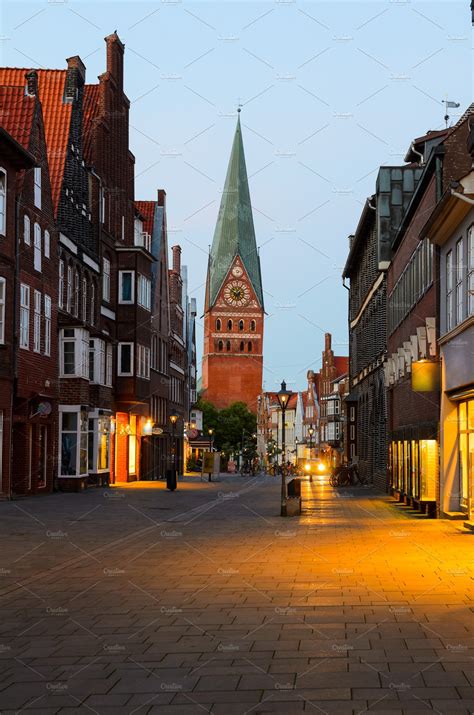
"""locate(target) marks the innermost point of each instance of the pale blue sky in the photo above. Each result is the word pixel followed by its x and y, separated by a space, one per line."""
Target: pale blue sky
pixel 330 91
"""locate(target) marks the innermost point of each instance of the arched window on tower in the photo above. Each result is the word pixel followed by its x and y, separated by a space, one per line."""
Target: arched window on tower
pixel 241 324
pixel 218 324
pixel 253 325
pixel 229 324
pixel 242 346
pixel 249 346
pixel 220 345
pixel 228 346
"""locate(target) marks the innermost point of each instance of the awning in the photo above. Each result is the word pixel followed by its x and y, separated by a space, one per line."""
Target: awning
pixel 463 393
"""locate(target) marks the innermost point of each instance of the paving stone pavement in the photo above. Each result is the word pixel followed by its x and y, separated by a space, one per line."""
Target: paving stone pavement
pixel 138 600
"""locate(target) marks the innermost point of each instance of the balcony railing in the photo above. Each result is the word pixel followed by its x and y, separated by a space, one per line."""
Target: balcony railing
pixel 143 240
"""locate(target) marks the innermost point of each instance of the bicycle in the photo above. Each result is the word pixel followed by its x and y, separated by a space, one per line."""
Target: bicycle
pixel 340 478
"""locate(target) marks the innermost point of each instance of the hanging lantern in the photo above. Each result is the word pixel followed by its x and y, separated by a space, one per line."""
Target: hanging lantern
pixel 425 375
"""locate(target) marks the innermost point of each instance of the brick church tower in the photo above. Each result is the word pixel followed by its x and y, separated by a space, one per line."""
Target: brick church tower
pixel 232 361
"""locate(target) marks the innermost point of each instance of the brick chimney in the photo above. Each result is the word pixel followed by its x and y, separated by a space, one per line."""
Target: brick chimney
pixel 176 250
pixel 115 52
pixel 75 78
pixel 32 83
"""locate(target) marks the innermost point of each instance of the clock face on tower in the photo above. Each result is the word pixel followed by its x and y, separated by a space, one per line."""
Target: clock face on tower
pixel 236 293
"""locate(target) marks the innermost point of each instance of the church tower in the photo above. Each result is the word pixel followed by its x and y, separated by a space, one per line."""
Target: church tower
pixel 232 361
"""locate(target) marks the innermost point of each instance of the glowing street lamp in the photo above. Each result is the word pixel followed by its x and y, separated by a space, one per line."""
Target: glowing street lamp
pixel 283 396
pixel 211 438
pixel 174 451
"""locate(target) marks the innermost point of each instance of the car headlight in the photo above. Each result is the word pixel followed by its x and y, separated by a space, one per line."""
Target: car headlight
pixel 321 467
pixel 307 467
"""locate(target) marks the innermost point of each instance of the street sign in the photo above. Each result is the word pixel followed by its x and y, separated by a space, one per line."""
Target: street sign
pixel 157 430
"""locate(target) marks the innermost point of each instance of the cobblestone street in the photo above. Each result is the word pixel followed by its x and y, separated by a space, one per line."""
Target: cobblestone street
pixel 137 600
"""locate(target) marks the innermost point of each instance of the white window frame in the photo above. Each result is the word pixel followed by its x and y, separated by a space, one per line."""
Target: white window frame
pixel 24 316
pixel 121 300
pixel 77 284
pixel 470 271
pixel 92 303
pixel 80 339
pixel 3 295
pixel 143 362
pixel 449 291
pixel 144 292
pixel 459 281
pixel 109 365
pixel 37 321
pixel 120 372
pixel 3 201
pixel 37 247
pixel 47 244
pixel 37 181
pixel 47 325
pixel 97 361
pixel 81 434
pixel 84 299
pixel 27 230
pixel 106 280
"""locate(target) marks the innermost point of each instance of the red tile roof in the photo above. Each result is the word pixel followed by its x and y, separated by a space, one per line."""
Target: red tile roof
pixel 90 116
pixel 147 211
pixel 16 114
pixel 56 115
pixel 342 364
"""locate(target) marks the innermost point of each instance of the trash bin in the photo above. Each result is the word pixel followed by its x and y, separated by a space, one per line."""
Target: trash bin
pixel 294 488
pixel 171 479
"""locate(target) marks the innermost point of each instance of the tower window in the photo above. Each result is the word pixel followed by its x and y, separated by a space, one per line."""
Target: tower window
pixel 218 324
pixel 229 324
pixel 228 346
pixel 242 346
pixel 241 324
pixel 220 345
pixel 253 325
pixel 249 346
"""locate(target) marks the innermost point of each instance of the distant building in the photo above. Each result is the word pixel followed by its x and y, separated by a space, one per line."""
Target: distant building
pixel 232 361
pixel 333 368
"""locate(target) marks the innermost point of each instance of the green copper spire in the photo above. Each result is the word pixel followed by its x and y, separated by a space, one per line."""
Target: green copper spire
pixel 234 233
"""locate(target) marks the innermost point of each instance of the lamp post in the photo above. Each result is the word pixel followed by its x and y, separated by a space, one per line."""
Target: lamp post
pixel 310 432
pixel 211 438
pixel 174 451
pixel 283 398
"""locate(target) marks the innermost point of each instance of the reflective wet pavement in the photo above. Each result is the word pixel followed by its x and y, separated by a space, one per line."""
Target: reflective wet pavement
pixel 137 600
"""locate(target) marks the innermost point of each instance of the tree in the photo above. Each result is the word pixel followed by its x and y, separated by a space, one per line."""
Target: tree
pixel 233 426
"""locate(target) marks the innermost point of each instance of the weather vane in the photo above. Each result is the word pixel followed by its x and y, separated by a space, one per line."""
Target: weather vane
pixel 239 105
pixel 449 105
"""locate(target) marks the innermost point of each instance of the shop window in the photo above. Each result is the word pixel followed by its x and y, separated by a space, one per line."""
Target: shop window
pixel 99 444
pixel 74 442
pixel 132 446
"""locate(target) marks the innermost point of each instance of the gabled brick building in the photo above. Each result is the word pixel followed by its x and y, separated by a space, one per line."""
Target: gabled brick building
pixel 332 368
pixel 28 263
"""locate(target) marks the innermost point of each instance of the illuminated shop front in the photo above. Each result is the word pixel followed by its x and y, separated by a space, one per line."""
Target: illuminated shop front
pixel 414 468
